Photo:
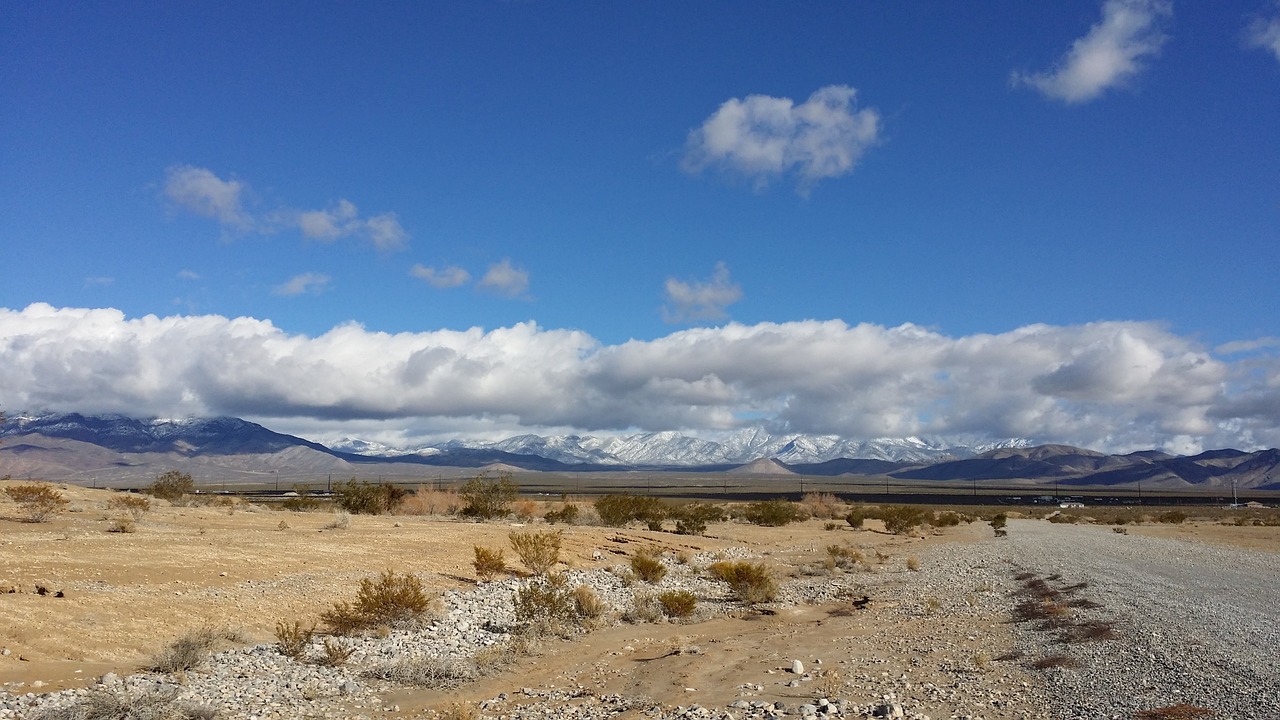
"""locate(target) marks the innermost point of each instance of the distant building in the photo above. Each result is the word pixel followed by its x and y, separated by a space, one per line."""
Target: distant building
pixel 1071 505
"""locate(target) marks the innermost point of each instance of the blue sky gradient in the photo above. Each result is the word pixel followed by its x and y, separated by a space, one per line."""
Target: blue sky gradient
pixel 979 168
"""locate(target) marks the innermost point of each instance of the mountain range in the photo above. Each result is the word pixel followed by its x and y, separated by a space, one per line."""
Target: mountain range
pixel 118 449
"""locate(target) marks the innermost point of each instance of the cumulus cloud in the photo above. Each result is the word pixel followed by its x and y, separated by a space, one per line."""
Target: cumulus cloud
pixel 200 191
pixel 761 137
pixel 1114 386
pixel 1111 54
pixel 451 276
pixel 1264 33
pixel 700 299
pixel 505 279
pixel 310 282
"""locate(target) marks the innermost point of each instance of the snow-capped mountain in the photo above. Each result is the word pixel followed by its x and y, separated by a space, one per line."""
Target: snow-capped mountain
pixel 672 449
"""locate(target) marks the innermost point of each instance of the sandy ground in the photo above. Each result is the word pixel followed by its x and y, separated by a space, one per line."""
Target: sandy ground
pixel 129 594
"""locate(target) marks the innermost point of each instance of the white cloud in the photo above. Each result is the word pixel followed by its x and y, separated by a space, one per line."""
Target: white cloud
pixel 762 137
pixel 1110 55
pixel 446 277
pixel 1244 346
pixel 505 279
pixel 1112 386
pixel 1264 33
pixel 310 282
pixel 99 281
pixel 200 191
pixel 700 299
pixel 188 275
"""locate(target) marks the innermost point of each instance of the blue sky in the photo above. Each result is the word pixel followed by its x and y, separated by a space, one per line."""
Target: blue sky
pixel 641 186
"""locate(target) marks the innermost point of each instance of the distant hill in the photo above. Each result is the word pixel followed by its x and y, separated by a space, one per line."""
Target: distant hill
pixel 73 446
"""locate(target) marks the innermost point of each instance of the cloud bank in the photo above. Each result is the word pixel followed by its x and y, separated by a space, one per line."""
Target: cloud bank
pixel 200 191
pixel 1110 55
pixel 1111 385
pixel 761 137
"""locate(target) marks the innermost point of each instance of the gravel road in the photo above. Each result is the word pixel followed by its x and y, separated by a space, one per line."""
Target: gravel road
pixel 1197 624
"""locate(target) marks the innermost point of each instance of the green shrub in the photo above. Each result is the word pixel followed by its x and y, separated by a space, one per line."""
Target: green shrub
pixel 946 519
pixel 362 498
pixel 171 486
pixel 545 600
pixel 855 518
pixel 678 603
pixel 38 502
pixel 998 524
pixel 567 515
pixel 750 582
pixel 488 498
pixel 538 551
pixel 390 600
pixel 648 567
pixel 902 519
pixel 692 519
pixel 488 563
pixel 773 513
pixel 618 510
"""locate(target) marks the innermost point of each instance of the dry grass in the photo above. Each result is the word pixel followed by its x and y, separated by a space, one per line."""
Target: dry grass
pixel 488 563
pixel 189 650
pixel 292 639
pixel 823 506
pixel 678 603
pixel 538 551
pixel 648 567
pixel 389 600
pixel 425 501
pixel 1181 711
pixel 751 582
pixel 1055 661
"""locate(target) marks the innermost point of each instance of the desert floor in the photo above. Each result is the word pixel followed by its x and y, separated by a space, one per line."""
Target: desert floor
pixel 126 595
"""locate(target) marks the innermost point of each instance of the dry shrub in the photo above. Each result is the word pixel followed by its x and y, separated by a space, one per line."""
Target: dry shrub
pixel 1091 631
pixel 525 510
pixel 544 605
pixel 122 525
pixel 488 562
pixel 644 608
pixel 424 672
pixel 913 563
pixel 425 501
pixel 750 582
pixel 292 639
pixel 392 599
pixel 568 514
pixel 1173 517
pixel 648 567
pixel 538 551
pixel 172 486
pixel 678 603
pixel 38 502
pixel 341 521
pixel 336 652
pixel 845 558
pixel 902 519
pixel 487 498
pixel 134 505
pixel 823 506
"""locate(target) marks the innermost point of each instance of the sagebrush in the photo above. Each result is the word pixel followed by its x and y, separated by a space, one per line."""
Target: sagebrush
pixel 390 600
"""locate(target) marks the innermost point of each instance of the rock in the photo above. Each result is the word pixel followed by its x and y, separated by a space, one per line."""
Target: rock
pixel 797 667
pixel 109 679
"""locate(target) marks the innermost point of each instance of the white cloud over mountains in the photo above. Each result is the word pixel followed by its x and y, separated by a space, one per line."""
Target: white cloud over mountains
pixel 700 299
pixel 1110 54
pixel 1110 385
pixel 761 137
pixel 200 191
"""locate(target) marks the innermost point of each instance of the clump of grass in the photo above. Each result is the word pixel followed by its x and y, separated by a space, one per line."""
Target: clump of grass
pixel 913 563
pixel 587 604
pixel 750 582
pixel 188 651
pixel 678 603
pixel 538 551
pixel 644 608
pixel 525 510
pixel 823 506
pixel 389 600
pixel 648 567
pixel 122 525
pixel 455 710
pixel 341 521
pixel 488 563
pixel 107 705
